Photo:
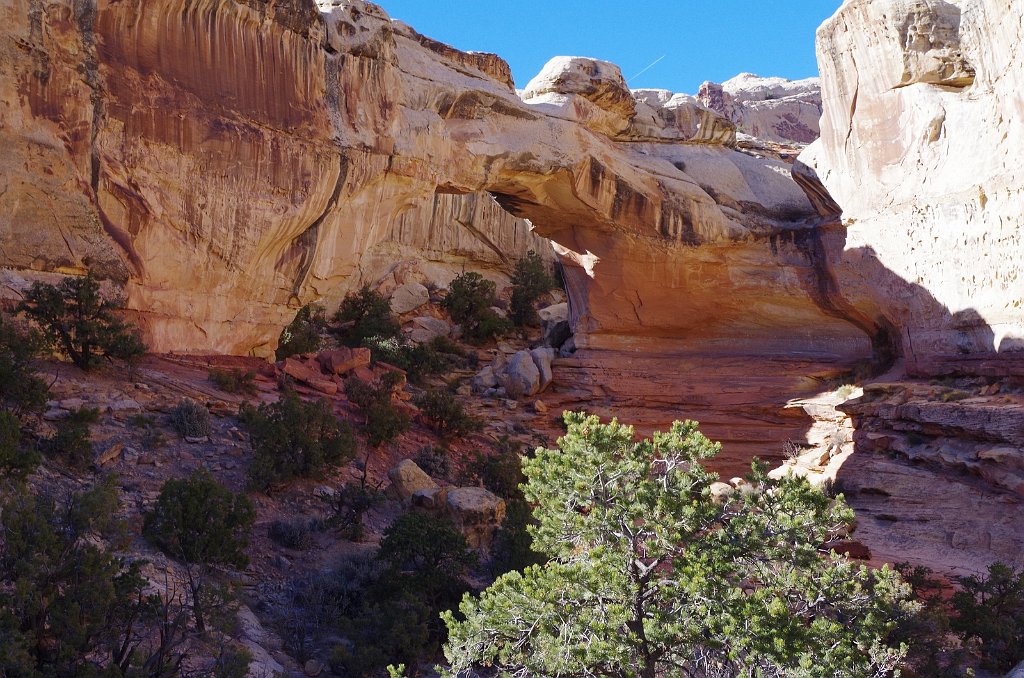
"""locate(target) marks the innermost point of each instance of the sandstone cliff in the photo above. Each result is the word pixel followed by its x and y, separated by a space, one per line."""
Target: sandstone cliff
pixel 917 164
pixel 227 161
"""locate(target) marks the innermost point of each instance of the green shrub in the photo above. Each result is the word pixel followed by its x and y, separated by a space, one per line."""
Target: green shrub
pixel 21 389
pixel 191 419
pixel 422 561
pixel 295 439
pixel 988 615
pixel 384 421
pixel 69 605
pixel 530 280
pixel 349 506
pixel 435 461
pixel 74 316
pixel 71 442
pixel 234 380
pixel 500 472
pixel 469 301
pixel 445 414
pixel 304 334
pixel 201 523
pixel 17 459
pixel 365 314
pixel 295 535
pixel 437 356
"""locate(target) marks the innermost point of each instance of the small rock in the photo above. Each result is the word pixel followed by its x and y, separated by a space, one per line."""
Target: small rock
pixel 720 492
pixel 542 358
pixel 539 407
pixel 427 328
pixel 484 380
pixel 430 497
pixel 110 454
pixel 521 376
pixel 195 440
pixel 409 297
pixel 282 562
pixel 72 404
pixel 313 668
pixel 124 407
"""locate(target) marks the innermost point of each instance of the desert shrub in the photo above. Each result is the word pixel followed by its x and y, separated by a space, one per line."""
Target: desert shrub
pixel 69 605
pixel 365 314
pixel 152 436
pixel 234 380
pixel 201 523
pixel 981 624
pixel 71 443
pixel 17 458
pixel 437 356
pixel 530 280
pixel 295 534
pixel 419 572
pixel 988 615
pixel 304 334
pixel 191 419
pixel 384 421
pixel 444 413
pixel 469 301
pixel 435 461
pixel 792 449
pixel 21 389
pixel 348 507
pixel 501 471
pixel 295 439
pixel 75 317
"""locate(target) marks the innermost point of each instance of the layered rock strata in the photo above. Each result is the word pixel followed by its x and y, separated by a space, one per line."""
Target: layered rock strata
pixel 921 135
pixel 917 168
pixel 770 109
pixel 227 161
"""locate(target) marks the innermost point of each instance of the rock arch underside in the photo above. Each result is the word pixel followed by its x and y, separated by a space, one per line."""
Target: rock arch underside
pixel 225 161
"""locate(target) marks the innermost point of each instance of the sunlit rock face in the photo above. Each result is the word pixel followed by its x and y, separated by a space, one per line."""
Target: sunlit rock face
pixel 227 161
pixel 771 109
pixel 922 131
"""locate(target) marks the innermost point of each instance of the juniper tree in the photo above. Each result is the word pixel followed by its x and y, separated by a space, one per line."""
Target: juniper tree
pixel 648 575
pixel 201 523
pixel 75 316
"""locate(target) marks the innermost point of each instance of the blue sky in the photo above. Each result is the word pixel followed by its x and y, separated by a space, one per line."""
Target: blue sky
pixel 699 39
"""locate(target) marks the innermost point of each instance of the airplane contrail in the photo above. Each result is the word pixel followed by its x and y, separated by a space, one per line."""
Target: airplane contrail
pixel 652 65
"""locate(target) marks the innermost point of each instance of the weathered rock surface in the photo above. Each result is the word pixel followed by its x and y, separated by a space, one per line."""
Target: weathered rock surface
pixel 407 479
pixel 920 142
pixel 230 162
pixel 477 512
pixel 770 109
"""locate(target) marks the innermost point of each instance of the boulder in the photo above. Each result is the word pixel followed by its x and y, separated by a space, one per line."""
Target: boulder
pixel 432 498
pixel 554 324
pixel 542 358
pixel 343 360
pixel 476 512
pixel 407 479
pixel 426 328
pixel 484 379
pixel 521 376
pixel 409 297
pixel 1017 671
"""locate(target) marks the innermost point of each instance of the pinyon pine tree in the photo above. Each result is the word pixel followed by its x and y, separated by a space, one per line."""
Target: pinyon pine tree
pixel 649 575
